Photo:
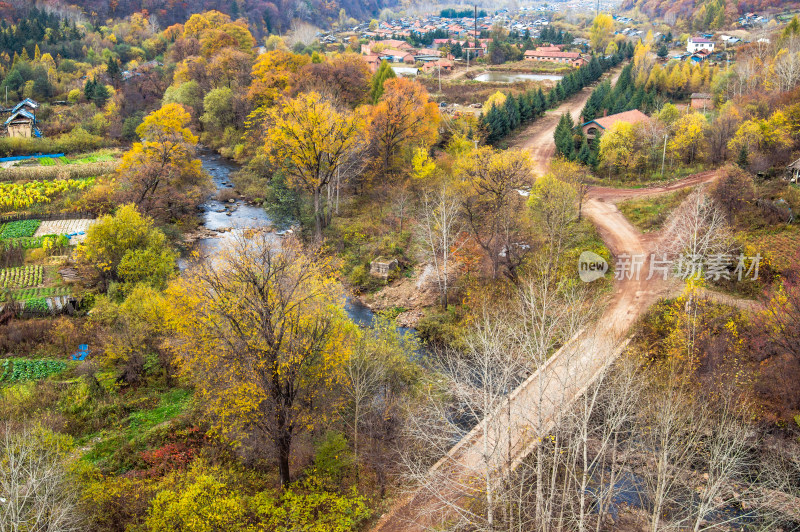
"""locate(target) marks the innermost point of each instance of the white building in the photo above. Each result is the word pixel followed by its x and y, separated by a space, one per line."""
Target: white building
pixel 695 44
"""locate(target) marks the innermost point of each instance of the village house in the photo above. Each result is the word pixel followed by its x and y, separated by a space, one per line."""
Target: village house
pixel 594 127
pixel 701 100
pixel 373 62
pixel 22 122
pixel 433 66
pixel 382 267
pixel 695 44
pixel 793 172
pixel 571 58
pixel 397 56
pixel 390 44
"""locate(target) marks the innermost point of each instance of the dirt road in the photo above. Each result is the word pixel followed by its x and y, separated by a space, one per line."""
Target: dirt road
pixel 535 404
pixel 538 137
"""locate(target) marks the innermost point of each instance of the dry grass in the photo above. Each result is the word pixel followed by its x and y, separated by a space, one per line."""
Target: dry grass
pixel 73 171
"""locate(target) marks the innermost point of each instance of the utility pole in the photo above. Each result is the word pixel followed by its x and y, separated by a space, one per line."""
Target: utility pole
pixel 477 35
pixel 664 155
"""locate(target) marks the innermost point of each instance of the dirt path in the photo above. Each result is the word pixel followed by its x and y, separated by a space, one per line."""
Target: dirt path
pixel 536 403
pixel 538 137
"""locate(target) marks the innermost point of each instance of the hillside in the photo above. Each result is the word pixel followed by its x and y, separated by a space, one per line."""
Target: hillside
pixel 270 15
pixel 706 13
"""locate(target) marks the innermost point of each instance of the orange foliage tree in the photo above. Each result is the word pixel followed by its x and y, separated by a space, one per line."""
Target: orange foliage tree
pixel 403 118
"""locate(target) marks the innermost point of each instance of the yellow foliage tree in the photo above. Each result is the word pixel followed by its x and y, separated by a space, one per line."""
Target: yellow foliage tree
pixel 616 147
pixel 498 99
pixel 310 138
pixel 272 73
pixel 492 204
pixel 601 31
pixel 263 335
pixel 160 173
pixel 690 131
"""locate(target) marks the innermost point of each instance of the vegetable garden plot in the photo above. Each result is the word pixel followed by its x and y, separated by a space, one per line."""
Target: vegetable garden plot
pixel 65 227
pixel 19 229
pixel 21 277
pixel 20 369
pixel 27 294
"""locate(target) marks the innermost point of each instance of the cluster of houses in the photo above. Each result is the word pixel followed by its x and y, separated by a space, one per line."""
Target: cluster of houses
pixel 21 121
pixel 456 28
pixel 397 51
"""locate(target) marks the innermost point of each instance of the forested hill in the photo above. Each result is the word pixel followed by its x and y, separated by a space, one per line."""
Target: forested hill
pixel 708 13
pixel 271 15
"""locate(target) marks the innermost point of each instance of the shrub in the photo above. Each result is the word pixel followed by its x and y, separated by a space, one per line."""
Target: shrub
pixel 77 140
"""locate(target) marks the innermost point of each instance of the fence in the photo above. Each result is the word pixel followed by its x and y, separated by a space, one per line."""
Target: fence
pixel 48 216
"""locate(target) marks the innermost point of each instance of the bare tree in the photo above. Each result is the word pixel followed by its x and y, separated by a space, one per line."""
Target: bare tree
pixel 729 462
pixel 440 229
pixel 696 230
pixel 35 490
pixel 475 388
pixel 364 374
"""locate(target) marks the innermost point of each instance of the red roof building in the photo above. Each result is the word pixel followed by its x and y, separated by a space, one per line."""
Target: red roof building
pixel 598 125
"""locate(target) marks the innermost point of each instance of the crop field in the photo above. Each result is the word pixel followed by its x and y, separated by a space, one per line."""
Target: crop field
pixel 20 196
pixel 65 227
pixel 89 159
pixel 21 277
pixel 21 369
pixel 19 229
pixel 29 294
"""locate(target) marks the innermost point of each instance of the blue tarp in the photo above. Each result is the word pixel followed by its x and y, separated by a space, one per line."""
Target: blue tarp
pixel 83 351
pixel 25 157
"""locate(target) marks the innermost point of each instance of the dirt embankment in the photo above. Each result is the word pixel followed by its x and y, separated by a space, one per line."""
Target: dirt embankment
pixel 414 294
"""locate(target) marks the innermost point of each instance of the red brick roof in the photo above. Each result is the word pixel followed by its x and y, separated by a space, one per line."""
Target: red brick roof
pixel 564 55
pixel 632 117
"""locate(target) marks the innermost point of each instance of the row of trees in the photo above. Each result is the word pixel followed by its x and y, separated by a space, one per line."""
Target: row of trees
pixel 500 120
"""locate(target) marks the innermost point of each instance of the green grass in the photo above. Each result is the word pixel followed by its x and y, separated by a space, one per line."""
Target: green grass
pixel 47 161
pixel 116 447
pixel 650 213
pixel 170 405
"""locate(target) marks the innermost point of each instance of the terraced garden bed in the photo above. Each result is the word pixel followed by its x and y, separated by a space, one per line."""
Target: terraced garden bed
pixel 21 277
pixel 65 227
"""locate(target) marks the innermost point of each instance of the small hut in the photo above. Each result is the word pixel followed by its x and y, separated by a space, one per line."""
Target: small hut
pixel 382 267
pixel 793 172
pixel 22 122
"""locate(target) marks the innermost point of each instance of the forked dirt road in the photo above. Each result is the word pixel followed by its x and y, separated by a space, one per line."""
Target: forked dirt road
pixel 534 406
